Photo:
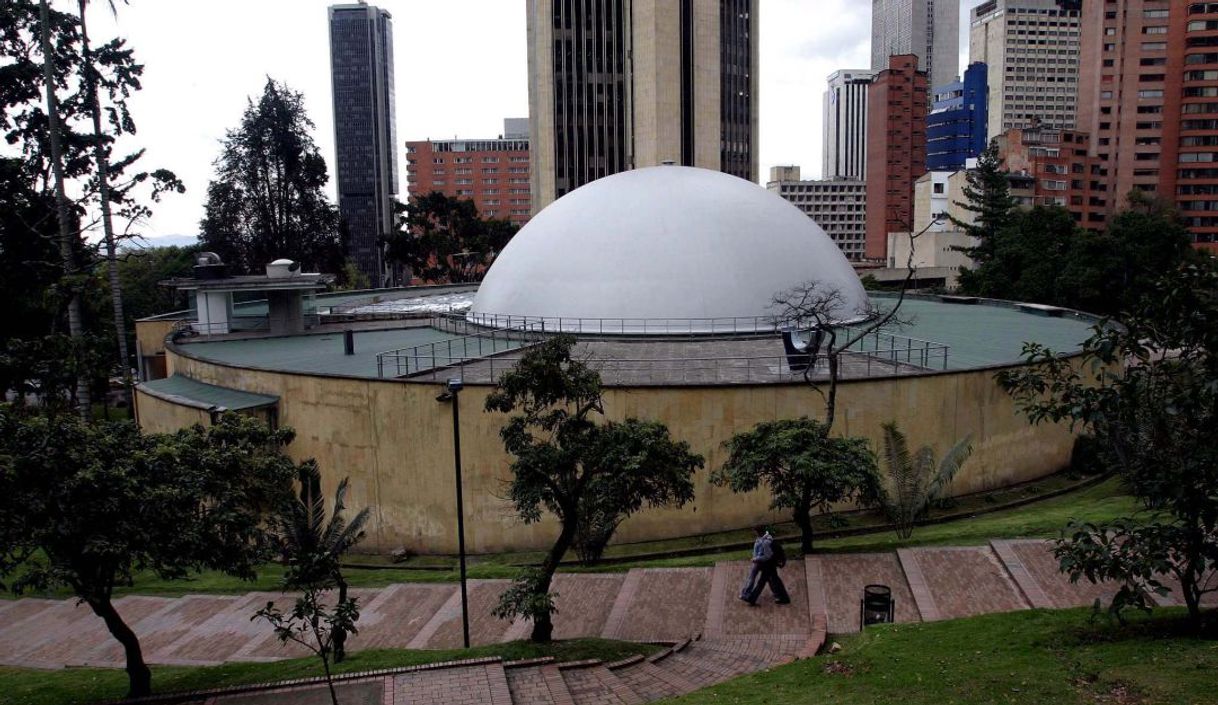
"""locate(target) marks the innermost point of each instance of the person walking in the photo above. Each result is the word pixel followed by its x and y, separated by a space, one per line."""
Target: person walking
pixel 768 557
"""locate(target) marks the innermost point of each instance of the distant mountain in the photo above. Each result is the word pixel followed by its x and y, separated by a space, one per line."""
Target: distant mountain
pixel 161 241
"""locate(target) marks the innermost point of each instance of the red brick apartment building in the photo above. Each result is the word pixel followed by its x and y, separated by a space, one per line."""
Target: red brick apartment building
pixel 1148 80
pixel 493 173
pixel 896 149
pixel 1059 169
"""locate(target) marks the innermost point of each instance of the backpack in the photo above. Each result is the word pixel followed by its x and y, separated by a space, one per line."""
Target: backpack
pixel 780 556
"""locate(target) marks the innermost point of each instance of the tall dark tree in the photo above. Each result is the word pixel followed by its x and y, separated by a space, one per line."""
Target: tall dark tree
pixel 987 195
pixel 267 200
pixel 443 239
pixel 86 506
pixel 567 464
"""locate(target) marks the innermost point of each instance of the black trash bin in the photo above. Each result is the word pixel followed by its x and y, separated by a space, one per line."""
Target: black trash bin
pixel 877 606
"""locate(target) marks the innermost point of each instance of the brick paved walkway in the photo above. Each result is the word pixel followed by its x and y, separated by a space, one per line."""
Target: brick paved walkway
pixel 714 635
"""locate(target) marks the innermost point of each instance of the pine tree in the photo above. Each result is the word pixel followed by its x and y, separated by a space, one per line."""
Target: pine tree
pixel 988 195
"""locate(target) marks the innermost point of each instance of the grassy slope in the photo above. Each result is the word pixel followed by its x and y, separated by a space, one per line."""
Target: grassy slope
pixel 1032 657
pixel 1042 519
pixel 91 685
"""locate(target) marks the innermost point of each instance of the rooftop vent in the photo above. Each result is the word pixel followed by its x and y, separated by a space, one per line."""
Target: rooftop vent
pixel 208 265
pixel 282 269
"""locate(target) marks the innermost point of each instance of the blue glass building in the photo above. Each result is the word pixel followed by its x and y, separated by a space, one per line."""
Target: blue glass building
pixel 956 125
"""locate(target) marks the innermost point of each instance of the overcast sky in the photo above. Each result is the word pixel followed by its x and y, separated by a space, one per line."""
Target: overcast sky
pixel 460 69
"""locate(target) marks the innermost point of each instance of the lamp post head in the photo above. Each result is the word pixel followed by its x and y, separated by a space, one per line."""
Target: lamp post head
pixel 454 385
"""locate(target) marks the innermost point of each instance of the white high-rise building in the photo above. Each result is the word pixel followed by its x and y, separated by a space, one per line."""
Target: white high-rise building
pixel 845 153
pixel 929 29
pixel 1031 49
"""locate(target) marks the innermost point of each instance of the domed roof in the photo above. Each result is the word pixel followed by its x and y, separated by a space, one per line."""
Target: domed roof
pixel 670 247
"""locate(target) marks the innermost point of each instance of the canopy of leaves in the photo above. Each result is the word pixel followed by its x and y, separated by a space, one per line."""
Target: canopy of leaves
pixel 442 239
pixel 803 467
pixel 1147 391
pixel 141 272
pixel 800 463
pixel 267 200
pixel 1042 255
pixel 87 505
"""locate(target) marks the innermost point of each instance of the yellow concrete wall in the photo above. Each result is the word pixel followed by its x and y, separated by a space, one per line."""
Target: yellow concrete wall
pixel 394 440
pixel 151 335
pixel 156 415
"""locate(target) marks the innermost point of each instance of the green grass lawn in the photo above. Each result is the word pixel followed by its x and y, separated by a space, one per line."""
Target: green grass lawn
pixel 1036 657
pixel 1044 518
pixel 91 685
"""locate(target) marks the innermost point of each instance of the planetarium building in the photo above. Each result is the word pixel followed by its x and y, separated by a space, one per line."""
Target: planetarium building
pixel 668 278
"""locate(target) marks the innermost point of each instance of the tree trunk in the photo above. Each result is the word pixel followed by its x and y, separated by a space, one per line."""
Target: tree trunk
pixel 103 181
pixel 139 677
pixel 831 400
pixel 543 625
pixel 75 323
pixel 803 520
pixel 340 635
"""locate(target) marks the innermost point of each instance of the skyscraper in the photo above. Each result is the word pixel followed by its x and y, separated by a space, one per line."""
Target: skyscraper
pixel 365 134
pixel 1031 48
pixel 619 84
pixel 956 125
pixel 846 124
pixel 1148 81
pixel 896 153
pixel 929 29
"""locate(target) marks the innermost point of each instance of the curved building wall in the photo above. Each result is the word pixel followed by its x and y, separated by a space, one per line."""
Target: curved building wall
pixel 394 440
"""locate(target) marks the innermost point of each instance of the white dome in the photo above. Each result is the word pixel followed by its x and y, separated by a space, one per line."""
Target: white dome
pixel 665 248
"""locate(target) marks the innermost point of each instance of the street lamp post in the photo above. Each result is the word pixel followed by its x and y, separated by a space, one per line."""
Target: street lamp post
pixel 452 394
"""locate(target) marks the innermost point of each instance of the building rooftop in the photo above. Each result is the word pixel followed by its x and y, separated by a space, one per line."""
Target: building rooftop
pixel 976 336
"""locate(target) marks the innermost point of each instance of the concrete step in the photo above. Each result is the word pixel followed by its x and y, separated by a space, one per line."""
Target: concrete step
pixel 592 683
pixel 536 682
pixel 651 681
pixel 705 667
pixel 479 682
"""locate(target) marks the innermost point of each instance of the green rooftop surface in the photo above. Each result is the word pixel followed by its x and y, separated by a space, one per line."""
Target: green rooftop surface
pixel 207 395
pixel 323 354
pixel 979 335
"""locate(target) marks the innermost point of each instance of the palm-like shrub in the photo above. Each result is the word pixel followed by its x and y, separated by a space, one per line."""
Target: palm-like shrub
pixel 914 478
pixel 314 546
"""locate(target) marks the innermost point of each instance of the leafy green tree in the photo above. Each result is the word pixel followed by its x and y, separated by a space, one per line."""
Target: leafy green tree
pixel 87 506
pixel 1023 261
pixel 804 468
pixel 443 239
pixel 567 464
pixel 915 481
pixel 268 200
pixel 1145 389
pixel 140 272
pixel 314 547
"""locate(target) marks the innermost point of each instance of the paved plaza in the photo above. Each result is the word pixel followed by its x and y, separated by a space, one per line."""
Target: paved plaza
pixel 713 636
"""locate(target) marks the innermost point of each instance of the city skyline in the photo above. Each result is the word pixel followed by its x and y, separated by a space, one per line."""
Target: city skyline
pixel 800 47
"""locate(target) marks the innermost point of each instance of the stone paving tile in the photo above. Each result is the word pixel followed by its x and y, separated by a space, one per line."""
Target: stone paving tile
pixel 1176 599
pixel 767 617
pixel 16 623
pixel 51 630
pixel 398 614
pixel 670 605
pixel 219 637
pixel 1037 558
pixel 596 685
pixel 484 628
pixel 269 646
pixel 968 581
pixel 584 602
pixel 90 635
pixel 467 685
pixel 159 630
pixel 846 574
